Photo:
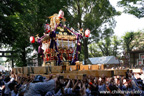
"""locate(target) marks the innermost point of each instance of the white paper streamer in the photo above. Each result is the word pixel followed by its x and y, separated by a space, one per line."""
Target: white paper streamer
pixel 73 45
pixel 73 55
pixel 45 46
pixel 68 43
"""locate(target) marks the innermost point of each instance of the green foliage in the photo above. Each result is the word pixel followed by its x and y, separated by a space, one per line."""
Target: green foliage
pixel 97 15
pixel 134 7
pixel 129 36
pixel 7 9
pixel 105 47
pixel 100 19
pixel 94 51
pixel 116 43
pixel 133 41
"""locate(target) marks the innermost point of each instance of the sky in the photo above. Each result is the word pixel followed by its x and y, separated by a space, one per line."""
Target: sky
pixel 126 22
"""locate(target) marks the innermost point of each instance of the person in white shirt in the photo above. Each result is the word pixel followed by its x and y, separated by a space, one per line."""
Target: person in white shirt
pixel 7 90
pixel 7 81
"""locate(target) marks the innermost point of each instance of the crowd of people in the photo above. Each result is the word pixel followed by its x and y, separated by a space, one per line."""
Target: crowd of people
pixel 129 85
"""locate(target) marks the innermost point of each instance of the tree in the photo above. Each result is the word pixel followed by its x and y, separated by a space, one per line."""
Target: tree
pixel 7 9
pixel 138 40
pixel 109 46
pixel 116 43
pixel 106 47
pixel 94 51
pixel 135 7
pixel 97 15
pixel 133 40
pixel 129 36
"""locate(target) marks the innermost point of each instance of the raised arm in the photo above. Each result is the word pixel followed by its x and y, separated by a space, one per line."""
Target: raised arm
pixel 68 84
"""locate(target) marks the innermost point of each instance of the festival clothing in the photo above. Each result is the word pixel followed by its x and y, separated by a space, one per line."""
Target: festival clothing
pixel 41 88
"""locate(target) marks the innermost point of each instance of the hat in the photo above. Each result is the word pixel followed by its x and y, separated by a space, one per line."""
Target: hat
pixel 39 78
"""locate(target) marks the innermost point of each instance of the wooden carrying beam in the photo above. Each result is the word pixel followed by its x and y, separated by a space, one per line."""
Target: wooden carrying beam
pixel 92 67
pixel 25 70
pixel 120 72
pixel 72 75
pixel 84 67
pixel 19 70
pixel 71 68
pixel 40 70
pixel 14 70
pixel 136 70
pixel 22 75
pixel 56 69
pixel 97 73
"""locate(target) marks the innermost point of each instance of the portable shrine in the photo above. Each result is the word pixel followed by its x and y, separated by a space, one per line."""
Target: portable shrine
pixel 59 45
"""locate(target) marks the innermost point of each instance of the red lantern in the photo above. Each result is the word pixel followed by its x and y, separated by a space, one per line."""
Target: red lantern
pixel 47 28
pixel 87 33
pixel 61 14
pixel 32 39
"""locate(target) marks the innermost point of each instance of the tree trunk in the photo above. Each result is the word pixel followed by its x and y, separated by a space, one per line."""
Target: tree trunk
pixel 85 50
pixel 85 40
pixel 23 56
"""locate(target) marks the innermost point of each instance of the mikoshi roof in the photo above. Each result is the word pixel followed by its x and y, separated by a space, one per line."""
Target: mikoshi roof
pixel 103 60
